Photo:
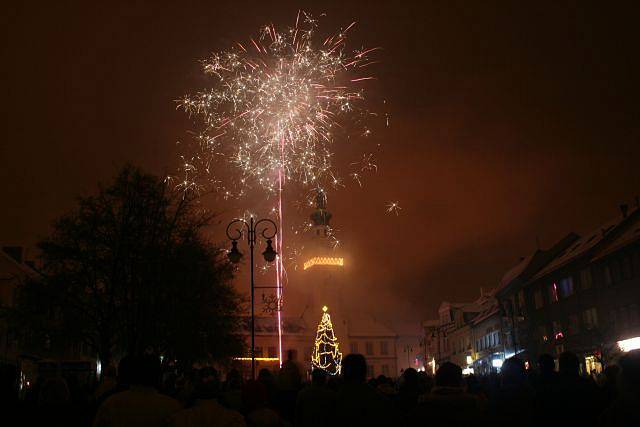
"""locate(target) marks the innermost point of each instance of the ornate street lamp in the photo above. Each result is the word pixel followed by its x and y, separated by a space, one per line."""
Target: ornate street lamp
pixel 234 233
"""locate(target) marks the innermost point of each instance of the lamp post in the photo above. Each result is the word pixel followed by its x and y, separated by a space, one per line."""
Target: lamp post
pixel 234 233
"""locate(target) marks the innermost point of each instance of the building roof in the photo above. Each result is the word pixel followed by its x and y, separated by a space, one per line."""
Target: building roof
pixel 611 235
pixel 21 269
pixel 625 238
pixel 363 325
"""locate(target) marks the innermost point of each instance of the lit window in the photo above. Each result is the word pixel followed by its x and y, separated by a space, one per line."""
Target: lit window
pixel 566 287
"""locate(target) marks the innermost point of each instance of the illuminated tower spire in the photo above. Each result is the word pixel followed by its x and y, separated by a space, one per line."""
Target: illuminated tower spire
pixel 321 217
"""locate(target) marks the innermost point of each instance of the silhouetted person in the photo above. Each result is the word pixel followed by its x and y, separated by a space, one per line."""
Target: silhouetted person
pixel 254 401
pixel 447 404
pixel 409 391
pixel 54 403
pixel 513 401
pixel 625 409
pixel 141 405
pixel 546 385
pixel 358 404
pixel 269 381
pixel 232 390
pixel 289 382
pixel 206 410
pixel 610 383
pixel 315 405
pixel 574 393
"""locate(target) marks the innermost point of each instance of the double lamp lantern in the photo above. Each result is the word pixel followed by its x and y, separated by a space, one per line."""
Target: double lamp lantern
pixel 234 233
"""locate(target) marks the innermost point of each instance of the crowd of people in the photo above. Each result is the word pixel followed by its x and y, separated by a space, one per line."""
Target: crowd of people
pixel 139 394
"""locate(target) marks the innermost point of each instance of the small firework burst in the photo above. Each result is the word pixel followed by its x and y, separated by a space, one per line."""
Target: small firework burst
pixel 393 207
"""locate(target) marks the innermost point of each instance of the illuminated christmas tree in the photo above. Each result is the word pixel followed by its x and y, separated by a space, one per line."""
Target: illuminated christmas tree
pixel 326 355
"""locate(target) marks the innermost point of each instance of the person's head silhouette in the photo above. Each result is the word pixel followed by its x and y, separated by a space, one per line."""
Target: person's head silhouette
pixel 318 377
pixel 546 364
pixel 449 375
pixel 354 368
pixel 145 370
pixel 569 364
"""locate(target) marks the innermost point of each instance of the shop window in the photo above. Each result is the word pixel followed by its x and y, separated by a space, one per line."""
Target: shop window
pixel 585 278
pixel 592 364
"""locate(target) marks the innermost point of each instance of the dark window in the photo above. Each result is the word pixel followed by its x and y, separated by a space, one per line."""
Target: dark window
pixel 627 271
pixel 590 318
pixel 354 347
pixel 573 327
pixel 613 319
pixel 633 314
pixel 538 301
pixel 616 271
pixel 585 278
pixel 606 273
pixel 258 352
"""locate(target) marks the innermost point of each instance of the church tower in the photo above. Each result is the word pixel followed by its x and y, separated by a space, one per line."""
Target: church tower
pixel 323 265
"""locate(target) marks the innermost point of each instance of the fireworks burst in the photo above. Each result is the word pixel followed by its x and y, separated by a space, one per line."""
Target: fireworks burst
pixel 393 207
pixel 277 105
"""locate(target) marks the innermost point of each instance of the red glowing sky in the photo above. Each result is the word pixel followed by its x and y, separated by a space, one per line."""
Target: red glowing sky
pixel 510 123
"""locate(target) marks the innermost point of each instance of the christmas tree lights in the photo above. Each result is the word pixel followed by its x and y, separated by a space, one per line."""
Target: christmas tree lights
pixel 326 355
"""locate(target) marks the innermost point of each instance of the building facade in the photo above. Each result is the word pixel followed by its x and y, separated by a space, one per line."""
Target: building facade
pixel 588 298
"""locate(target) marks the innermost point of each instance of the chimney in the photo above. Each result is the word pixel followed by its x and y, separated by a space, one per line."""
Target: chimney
pixel 15 252
pixel 624 208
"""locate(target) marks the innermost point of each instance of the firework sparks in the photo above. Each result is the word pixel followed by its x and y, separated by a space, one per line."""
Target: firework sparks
pixel 277 105
pixel 393 207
